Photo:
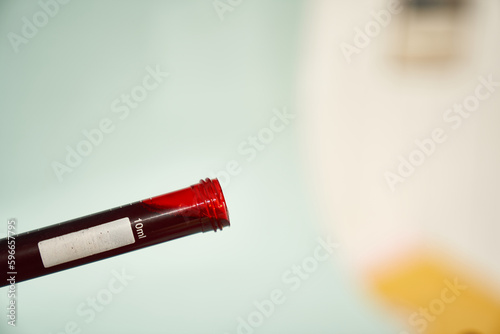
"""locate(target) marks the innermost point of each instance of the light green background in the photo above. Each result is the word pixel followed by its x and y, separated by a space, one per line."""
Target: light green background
pixel 226 77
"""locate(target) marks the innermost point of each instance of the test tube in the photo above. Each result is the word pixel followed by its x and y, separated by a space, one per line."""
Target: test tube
pixel 198 208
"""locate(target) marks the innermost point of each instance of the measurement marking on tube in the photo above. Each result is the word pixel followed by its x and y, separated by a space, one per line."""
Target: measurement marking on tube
pixel 139 228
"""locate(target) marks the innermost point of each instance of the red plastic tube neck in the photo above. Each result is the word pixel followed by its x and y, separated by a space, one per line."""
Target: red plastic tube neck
pixel 211 203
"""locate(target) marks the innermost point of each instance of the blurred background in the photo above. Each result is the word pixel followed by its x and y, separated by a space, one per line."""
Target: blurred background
pixel 357 145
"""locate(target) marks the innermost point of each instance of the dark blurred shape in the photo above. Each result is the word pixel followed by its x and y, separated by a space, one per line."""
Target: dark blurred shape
pixel 431 30
pixel 433 4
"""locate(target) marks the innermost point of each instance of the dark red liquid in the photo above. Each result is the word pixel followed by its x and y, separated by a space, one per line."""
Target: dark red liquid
pixel 199 208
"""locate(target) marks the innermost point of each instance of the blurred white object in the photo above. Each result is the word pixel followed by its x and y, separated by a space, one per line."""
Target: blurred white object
pixel 361 114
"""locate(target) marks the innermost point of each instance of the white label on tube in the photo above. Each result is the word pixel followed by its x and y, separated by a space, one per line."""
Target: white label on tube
pixel 86 242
